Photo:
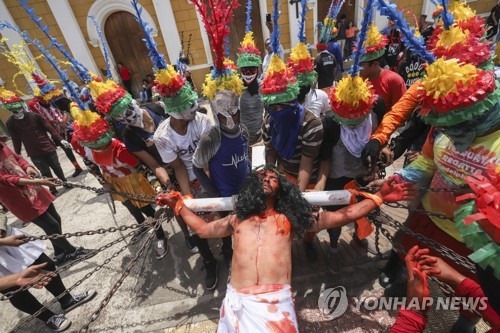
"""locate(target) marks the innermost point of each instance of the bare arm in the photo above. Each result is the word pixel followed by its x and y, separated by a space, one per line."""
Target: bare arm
pixel 271 156
pixel 345 215
pixel 154 166
pixel 182 176
pixel 215 229
pixel 305 171
pixel 323 172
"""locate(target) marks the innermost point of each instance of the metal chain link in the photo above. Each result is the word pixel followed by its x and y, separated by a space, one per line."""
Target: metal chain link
pixel 79 282
pixel 99 231
pixel 120 280
pixel 67 266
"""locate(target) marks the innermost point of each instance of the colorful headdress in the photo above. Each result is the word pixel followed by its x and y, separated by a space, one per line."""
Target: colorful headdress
pixel 176 93
pixel 374 44
pixel 279 84
pixel 454 92
pixel 353 98
pixel 47 92
pixel 109 98
pixel 89 130
pixel 248 53
pixel 301 63
pixel 10 100
pixel 328 28
pixel 216 22
pixel 449 40
pixel 479 220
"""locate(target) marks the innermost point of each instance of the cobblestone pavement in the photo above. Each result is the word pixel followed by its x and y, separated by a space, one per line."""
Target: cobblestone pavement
pixel 168 295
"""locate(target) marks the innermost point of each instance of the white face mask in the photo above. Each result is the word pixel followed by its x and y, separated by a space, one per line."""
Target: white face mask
pixel 132 115
pixel 225 104
pixel 18 114
pixel 186 115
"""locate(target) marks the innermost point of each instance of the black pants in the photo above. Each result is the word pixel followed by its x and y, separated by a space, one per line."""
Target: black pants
pixel 333 185
pixel 26 302
pixel 128 86
pixel 46 162
pixel 50 222
pixel 148 211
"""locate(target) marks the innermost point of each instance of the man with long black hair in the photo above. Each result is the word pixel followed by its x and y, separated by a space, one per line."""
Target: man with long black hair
pixel 269 212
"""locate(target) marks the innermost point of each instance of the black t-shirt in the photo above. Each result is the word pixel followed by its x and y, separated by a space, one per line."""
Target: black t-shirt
pixel 411 69
pixel 136 139
pixel 341 26
pixel 325 67
pixel 393 48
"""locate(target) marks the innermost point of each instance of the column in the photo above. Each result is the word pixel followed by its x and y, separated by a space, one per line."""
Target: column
pixel 72 34
pixel 168 28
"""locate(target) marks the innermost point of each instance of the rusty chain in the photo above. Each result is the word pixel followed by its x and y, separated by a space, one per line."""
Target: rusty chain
pixel 120 280
pixel 76 284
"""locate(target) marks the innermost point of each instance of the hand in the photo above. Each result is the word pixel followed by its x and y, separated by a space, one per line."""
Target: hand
pixel 47 182
pixel 169 199
pixel 392 191
pixel 32 274
pixel 411 155
pixel 65 144
pixel 14 241
pixel 437 267
pixel 387 155
pixel 417 287
pixel 370 154
pixel 32 172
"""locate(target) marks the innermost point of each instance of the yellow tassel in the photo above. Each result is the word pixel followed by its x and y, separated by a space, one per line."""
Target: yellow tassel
pixel 444 75
pixel 353 89
pixel 373 37
pixel 451 37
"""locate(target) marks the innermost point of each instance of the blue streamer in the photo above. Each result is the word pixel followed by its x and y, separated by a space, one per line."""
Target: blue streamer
pixel 104 46
pixel 248 24
pixel 275 35
pixel 226 46
pixel 416 45
pixel 446 16
pixel 333 12
pixel 336 9
pixel 156 57
pixel 80 70
pixel 365 23
pixel 49 58
pixel 302 21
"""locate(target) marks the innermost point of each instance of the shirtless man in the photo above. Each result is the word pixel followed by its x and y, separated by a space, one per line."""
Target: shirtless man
pixel 269 212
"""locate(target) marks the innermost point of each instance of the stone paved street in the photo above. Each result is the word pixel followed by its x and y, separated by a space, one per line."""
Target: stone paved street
pixel 168 295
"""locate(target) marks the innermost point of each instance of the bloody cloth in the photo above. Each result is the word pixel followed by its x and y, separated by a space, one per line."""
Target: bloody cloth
pixel 251 310
pixel 25 202
pixel 409 322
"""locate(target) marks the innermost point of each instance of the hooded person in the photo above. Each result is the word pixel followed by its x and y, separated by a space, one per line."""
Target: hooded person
pixel 119 169
pixel 223 150
pixel 329 57
pixel 301 64
pixel 356 111
pixel 461 102
pixel 292 134
pixel 250 103
pixel 30 129
pixel 387 84
pixel 177 139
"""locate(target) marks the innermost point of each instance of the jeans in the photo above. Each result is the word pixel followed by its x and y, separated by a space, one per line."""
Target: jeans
pixel 50 222
pixel 46 162
pixel 26 302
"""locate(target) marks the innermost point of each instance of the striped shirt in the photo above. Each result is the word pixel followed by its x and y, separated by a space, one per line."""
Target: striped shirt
pixel 308 143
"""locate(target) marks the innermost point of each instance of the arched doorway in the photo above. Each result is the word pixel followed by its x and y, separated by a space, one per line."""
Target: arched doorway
pixel 125 39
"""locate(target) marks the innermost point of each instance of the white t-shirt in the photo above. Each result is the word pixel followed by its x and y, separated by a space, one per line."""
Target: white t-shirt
pixel 171 145
pixel 317 102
